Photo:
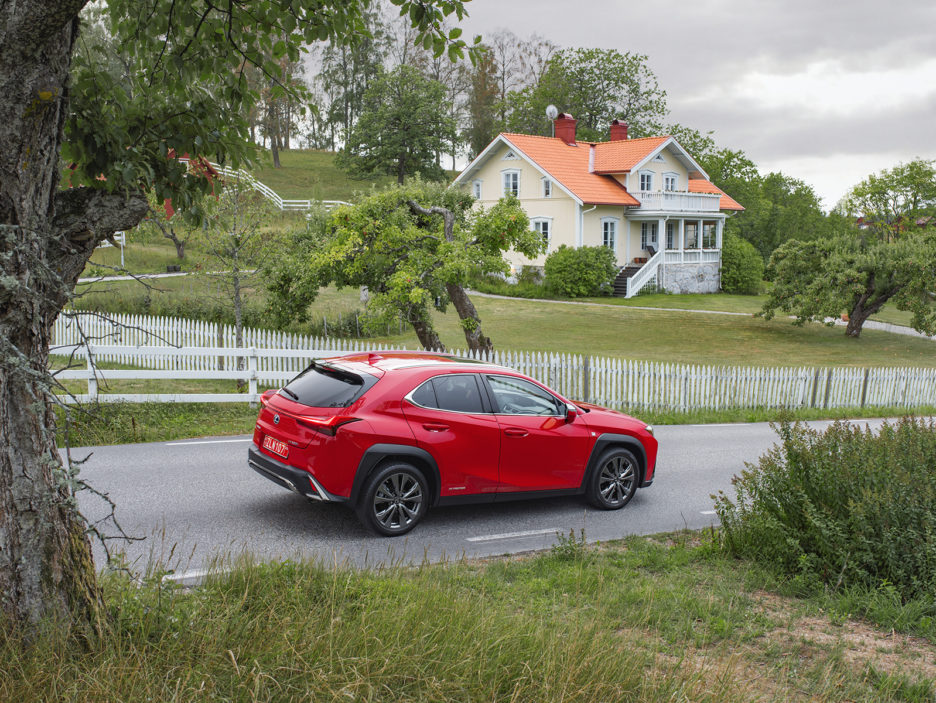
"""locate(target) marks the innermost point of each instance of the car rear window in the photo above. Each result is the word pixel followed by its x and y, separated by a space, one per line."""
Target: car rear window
pixel 321 386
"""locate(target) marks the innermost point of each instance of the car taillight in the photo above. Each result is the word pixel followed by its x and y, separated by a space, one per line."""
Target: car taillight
pixel 326 425
pixel 265 398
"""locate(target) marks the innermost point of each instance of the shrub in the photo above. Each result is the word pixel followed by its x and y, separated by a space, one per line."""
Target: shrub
pixel 581 272
pixel 844 508
pixel 742 266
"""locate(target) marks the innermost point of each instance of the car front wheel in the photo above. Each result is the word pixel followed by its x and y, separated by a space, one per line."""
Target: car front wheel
pixel 614 481
pixel 394 500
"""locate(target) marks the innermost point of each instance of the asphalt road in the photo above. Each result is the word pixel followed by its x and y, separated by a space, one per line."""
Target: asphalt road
pixel 194 501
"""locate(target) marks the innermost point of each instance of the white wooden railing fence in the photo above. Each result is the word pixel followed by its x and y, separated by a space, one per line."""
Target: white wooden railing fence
pixel 272 358
pixel 644 276
pixel 268 192
pixel 677 201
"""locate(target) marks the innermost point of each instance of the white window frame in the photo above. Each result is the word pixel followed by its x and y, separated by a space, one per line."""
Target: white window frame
pixel 543 222
pixel 659 158
pixel 547 187
pixel 509 173
pixel 648 229
pixel 671 234
pixel 670 177
pixel 510 156
pixel 476 188
pixel 649 176
pixel 609 223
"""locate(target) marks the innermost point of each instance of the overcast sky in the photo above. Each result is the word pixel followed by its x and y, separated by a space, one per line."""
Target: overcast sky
pixel 828 92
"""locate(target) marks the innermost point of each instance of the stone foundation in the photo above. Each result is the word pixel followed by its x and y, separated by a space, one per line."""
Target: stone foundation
pixel 691 278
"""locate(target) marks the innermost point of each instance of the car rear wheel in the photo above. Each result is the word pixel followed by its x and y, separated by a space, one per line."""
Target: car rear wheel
pixel 394 500
pixel 614 481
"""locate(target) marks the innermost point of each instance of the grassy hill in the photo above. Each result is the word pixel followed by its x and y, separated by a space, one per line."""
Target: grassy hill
pixel 308 173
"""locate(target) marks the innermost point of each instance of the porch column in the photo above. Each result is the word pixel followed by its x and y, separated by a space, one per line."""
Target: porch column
pixel 627 238
pixel 698 236
pixel 719 229
pixel 682 239
pixel 661 235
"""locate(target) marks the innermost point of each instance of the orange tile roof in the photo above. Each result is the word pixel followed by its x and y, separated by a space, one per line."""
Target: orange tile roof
pixel 700 185
pixel 622 155
pixel 568 165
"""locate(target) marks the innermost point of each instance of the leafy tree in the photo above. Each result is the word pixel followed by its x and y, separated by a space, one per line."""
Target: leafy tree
pixel 405 123
pixel 179 88
pixel 889 202
pixel 482 104
pixel 414 247
pixel 580 272
pixel 742 268
pixel 857 274
pixel 596 86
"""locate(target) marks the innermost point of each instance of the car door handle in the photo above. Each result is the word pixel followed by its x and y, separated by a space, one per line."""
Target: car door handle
pixel 435 426
pixel 515 432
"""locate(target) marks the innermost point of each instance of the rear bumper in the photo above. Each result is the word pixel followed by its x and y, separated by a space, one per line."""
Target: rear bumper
pixel 290 477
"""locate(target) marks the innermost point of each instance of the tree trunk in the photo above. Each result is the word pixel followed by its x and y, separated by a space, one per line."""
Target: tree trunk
pixel 169 233
pixel 428 337
pixel 467 313
pixel 46 238
pixel 470 320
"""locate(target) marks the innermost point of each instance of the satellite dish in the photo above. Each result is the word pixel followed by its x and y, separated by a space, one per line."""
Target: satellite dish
pixel 552 112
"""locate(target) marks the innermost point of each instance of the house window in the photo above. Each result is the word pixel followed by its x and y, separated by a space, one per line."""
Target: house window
pixel 609 232
pixel 708 235
pixel 692 235
pixel 670 181
pixel 646 180
pixel 510 156
pixel 476 189
pixel 543 225
pixel 512 183
pixel 648 234
pixel 547 188
pixel 670 235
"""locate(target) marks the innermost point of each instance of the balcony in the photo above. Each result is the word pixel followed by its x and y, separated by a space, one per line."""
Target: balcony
pixel 677 201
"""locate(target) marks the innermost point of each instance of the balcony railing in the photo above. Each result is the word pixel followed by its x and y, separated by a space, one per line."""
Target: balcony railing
pixel 675 201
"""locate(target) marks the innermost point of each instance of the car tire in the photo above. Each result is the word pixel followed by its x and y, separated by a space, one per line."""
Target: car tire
pixel 395 498
pixel 614 481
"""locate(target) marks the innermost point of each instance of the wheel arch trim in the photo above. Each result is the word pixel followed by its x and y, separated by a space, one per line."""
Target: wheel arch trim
pixel 610 440
pixel 378 453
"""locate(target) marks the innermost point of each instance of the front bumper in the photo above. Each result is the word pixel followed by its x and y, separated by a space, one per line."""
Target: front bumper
pixel 290 477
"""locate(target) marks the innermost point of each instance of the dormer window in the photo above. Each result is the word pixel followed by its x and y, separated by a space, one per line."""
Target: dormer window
pixel 646 180
pixel 476 189
pixel 512 182
pixel 511 156
pixel 670 181
pixel 547 188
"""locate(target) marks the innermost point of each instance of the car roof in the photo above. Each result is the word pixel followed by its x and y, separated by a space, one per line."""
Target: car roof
pixel 369 362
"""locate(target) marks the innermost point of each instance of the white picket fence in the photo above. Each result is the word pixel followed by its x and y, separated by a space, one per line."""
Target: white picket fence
pixel 268 193
pixel 168 348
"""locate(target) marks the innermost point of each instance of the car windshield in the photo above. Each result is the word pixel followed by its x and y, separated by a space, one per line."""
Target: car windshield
pixel 321 386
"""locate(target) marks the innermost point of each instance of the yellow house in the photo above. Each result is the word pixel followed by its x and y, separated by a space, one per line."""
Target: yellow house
pixel 646 199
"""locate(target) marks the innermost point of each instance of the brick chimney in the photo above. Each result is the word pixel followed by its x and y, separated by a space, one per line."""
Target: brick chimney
pixel 565 127
pixel 618 130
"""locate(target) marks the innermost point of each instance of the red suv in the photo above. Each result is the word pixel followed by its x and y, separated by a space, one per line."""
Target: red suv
pixel 394 433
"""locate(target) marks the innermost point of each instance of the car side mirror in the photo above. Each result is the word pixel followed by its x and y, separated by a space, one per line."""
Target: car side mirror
pixel 571 412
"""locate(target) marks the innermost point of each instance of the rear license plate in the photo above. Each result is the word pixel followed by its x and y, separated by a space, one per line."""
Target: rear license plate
pixel 275 446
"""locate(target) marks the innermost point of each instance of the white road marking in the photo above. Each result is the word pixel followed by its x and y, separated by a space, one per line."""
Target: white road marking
pixel 707 512
pixel 207 441
pixel 512 535
pixel 193 574
pixel 719 424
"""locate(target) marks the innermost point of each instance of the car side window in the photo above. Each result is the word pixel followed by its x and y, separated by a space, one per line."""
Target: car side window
pixel 515 396
pixel 425 396
pixel 458 393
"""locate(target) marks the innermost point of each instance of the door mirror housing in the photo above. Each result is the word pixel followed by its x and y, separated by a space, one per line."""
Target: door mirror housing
pixel 571 412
